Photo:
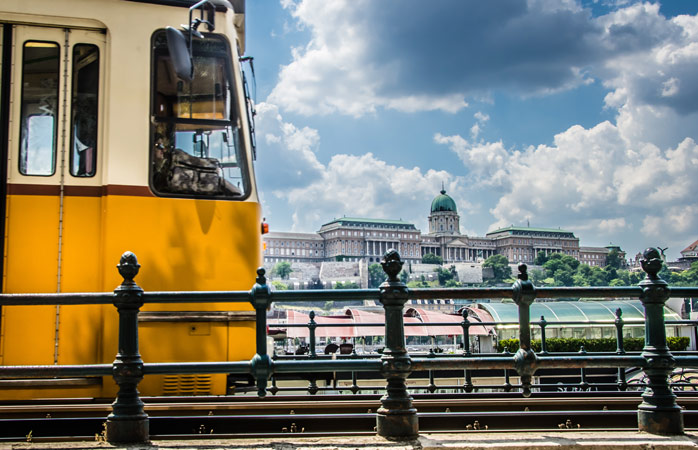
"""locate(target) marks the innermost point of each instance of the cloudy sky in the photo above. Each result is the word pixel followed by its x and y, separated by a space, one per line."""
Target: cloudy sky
pixel 558 113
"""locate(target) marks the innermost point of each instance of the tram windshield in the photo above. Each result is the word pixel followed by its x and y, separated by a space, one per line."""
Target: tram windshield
pixel 196 130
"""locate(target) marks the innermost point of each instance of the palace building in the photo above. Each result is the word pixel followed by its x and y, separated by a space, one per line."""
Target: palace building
pixel 366 240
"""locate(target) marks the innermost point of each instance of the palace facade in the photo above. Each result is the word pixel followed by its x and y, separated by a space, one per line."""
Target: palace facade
pixel 366 240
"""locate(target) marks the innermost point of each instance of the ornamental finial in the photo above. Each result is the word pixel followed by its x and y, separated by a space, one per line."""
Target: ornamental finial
pixel 261 279
pixel 392 265
pixel 128 266
pixel 523 272
pixel 651 263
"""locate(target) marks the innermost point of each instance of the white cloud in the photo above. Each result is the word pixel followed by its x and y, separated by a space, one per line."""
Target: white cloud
pixel 312 192
pixel 411 56
pixel 288 155
pixel 485 160
pixel 630 179
pixel 594 182
pixel 365 186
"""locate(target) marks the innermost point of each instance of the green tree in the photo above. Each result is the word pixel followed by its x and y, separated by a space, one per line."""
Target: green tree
pixel 500 267
pixel 346 285
pixel 282 269
pixel 445 275
pixel 404 276
pixel 279 286
pixel 541 259
pixel 613 259
pixel 431 258
pixel 687 277
pixel 418 284
pixel 539 277
pixel 376 276
pixel 453 283
pixel 562 268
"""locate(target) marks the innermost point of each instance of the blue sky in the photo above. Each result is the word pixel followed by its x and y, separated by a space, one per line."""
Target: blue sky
pixel 578 115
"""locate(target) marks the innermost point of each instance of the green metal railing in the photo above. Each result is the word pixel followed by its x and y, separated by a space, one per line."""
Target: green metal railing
pixel 396 418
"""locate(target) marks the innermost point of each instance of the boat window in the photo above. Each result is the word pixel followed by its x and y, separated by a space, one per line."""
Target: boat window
pixel 83 140
pixel 197 145
pixel 39 106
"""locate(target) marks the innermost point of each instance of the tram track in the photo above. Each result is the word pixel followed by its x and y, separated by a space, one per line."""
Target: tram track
pixel 226 417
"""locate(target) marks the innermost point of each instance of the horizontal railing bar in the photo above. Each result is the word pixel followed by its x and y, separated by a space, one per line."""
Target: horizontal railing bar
pixel 90 298
pixel 78 298
pixel 7 372
pixel 542 362
pixel 629 322
pixel 686 361
pixel 325 365
pixel 197 368
pixel 544 292
pixel 197 297
pixel 684 292
pixel 474 362
pixel 334 294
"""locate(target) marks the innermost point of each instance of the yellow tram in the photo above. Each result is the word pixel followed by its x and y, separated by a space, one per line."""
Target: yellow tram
pixel 106 149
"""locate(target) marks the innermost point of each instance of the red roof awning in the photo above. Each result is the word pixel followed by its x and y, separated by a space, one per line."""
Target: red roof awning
pixel 415 320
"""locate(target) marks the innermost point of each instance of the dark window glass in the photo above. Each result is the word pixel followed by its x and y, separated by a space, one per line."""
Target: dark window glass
pixel 37 143
pixel 197 141
pixel 85 88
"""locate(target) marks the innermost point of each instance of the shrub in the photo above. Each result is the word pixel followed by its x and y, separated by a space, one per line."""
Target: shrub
pixel 557 345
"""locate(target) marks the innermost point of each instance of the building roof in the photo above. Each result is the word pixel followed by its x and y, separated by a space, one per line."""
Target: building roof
pixel 528 230
pixel 443 202
pixel 594 249
pixel 584 311
pixel 357 221
pixel 691 248
pixel 289 235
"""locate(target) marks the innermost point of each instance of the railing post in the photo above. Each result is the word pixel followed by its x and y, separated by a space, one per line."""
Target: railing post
pixel 261 365
pixel 312 382
pixel 466 332
pixel 543 342
pixel 128 422
pixel 620 349
pixel 524 359
pixel 312 325
pixel 467 378
pixel 658 413
pixel 354 379
pixel 396 418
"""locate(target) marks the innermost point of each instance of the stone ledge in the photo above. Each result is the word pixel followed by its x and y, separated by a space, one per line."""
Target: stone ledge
pixel 471 441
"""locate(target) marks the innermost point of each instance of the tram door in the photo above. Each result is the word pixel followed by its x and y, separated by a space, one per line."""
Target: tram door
pixel 52 121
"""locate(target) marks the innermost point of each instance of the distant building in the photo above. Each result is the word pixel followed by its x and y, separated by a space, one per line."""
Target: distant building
pixel 598 256
pixel 298 247
pixel 366 240
pixel 690 253
pixel 522 244
pixel 351 239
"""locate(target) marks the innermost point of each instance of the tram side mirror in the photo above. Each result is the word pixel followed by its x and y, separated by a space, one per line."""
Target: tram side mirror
pixel 179 53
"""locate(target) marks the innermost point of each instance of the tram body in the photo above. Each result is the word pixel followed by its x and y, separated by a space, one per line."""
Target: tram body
pixel 105 150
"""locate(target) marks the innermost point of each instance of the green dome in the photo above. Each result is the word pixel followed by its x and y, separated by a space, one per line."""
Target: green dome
pixel 443 203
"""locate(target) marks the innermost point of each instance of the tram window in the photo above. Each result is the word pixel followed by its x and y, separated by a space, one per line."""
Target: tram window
pixel 83 139
pixel 37 143
pixel 197 142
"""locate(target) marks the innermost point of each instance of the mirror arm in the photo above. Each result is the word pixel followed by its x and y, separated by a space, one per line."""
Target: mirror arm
pixel 194 24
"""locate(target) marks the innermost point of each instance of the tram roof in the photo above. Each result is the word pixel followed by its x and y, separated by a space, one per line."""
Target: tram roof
pixel 584 311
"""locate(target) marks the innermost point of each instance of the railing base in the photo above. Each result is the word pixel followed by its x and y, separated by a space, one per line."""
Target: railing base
pixel 660 421
pixel 397 426
pixel 128 431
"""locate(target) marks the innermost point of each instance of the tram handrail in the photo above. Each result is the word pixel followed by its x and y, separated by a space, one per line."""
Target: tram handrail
pixel 397 418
